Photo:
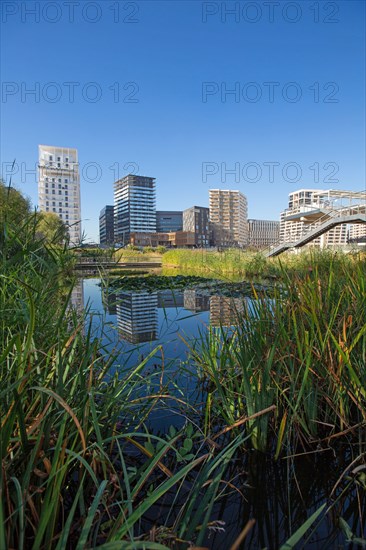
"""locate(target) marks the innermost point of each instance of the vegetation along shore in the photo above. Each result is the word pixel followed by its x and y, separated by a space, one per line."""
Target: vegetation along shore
pixel 83 466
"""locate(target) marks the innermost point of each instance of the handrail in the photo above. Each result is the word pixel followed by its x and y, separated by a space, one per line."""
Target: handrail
pixel 330 214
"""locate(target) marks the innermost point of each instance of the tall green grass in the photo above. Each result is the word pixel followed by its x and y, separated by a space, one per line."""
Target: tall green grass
pixel 249 264
pixel 302 350
pixel 79 470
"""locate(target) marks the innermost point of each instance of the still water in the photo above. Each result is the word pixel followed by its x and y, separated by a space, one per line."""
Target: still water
pixel 164 324
pixel 279 495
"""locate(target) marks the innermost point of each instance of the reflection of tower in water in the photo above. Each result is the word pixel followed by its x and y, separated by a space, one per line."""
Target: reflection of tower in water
pixel 170 299
pixel 137 316
pixel 109 300
pixel 77 296
pixel 196 302
pixel 224 310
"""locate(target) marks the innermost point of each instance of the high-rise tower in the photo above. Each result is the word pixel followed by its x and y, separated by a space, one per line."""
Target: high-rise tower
pixel 59 186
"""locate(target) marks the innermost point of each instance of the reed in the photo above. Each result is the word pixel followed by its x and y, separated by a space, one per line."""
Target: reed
pixel 249 264
pixel 302 350
pixel 79 469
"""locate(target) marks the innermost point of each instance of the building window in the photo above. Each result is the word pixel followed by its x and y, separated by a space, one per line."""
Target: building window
pixel 53 192
pixel 60 209
pixel 50 157
pixel 47 209
pixel 54 209
pixel 58 158
pixel 66 181
pixel 46 203
pixel 67 159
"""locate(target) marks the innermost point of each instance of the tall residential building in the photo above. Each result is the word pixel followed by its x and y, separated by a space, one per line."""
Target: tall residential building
pixel 357 232
pixel 305 206
pixel 228 217
pixel 106 225
pixel 169 220
pixel 196 219
pixel 134 207
pixel 263 233
pixel 59 186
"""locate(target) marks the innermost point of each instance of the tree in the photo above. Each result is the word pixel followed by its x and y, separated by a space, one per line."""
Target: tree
pixel 51 228
pixel 14 207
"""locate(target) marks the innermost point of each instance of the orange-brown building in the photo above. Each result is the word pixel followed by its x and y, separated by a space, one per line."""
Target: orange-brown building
pixel 182 239
pixel 179 239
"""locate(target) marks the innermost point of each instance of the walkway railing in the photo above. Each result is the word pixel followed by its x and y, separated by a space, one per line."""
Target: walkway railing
pixel 333 217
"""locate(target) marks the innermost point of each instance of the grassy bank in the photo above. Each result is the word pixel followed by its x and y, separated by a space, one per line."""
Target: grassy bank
pixel 79 468
pixel 251 264
pixel 303 349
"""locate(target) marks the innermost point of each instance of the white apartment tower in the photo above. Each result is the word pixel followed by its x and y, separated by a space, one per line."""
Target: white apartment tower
pixel 228 218
pixel 59 186
pixel 302 205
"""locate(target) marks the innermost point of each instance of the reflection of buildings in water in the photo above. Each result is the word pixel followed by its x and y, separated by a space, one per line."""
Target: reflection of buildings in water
pixel 196 302
pixel 170 299
pixel 224 310
pixel 77 296
pixel 109 300
pixel 137 316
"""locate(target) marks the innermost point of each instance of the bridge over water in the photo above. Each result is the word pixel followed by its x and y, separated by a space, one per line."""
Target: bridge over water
pixel 325 219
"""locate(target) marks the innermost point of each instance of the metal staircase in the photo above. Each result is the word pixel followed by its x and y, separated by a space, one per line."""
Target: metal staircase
pixel 332 218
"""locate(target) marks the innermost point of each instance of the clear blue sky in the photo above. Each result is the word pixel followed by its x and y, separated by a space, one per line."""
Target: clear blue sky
pixel 168 51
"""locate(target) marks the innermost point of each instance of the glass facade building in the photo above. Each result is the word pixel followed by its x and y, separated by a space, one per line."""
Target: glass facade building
pixel 134 207
pixel 106 225
pixel 169 220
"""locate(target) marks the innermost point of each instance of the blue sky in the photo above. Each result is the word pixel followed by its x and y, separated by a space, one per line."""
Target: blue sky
pixel 171 64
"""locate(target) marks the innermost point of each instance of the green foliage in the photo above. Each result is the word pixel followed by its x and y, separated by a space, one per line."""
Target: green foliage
pixel 251 264
pixel 51 228
pixel 14 207
pixel 75 471
pixel 302 350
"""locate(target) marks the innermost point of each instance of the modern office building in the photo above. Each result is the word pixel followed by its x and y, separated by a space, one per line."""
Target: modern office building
pixel 137 316
pixel 169 220
pixel 59 186
pixel 196 220
pixel 228 218
pixel 134 207
pixel 106 225
pixel 263 233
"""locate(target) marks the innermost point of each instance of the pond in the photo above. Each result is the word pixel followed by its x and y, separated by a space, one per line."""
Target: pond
pixel 279 495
